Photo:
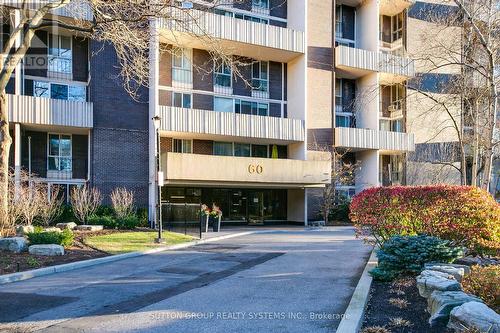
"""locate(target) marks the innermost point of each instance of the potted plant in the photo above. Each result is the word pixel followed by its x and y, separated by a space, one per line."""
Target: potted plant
pixel 204 215
pixel 215 216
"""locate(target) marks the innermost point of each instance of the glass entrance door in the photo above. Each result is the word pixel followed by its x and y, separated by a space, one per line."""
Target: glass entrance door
pixel 255 204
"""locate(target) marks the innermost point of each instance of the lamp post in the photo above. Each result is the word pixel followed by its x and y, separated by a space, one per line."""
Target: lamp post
pixel 159 181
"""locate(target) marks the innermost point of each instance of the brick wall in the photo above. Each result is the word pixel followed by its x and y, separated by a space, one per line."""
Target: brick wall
pixel 203 69
pixel 120 135
pixel 204 147
pixel 165 77
pixel 165 97
pixel 120 159
pixel 166 145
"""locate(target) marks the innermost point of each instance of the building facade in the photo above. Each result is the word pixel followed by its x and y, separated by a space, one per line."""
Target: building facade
pixel 253 132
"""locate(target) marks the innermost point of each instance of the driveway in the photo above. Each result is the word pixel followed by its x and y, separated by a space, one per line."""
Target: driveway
pixel 293 280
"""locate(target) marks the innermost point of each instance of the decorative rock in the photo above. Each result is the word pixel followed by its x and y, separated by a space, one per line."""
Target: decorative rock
pixel 46 250
pixel 22 230
pixel 474 314
pixel 86 227
pixel 68 225
pixel 428 281
pixel 458 271
pixel 51 229
pixel 13 244
pixel 440 303
pixel 471 261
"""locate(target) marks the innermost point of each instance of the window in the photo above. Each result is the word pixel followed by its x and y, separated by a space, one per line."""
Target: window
pixel 263 4
pixel 251 18
pixel 182 146
pixel 254 108
pixel 259 151
pixel 60 56
pixel 345 25
pixel 181 66
pixel 278 151
pixel 338 95
pixel 223 148
pixel 181 100
pixel 59 91
pixel 342 121
pixel 223 104
pixel 397 27
pixel 222 74
pixel 59 154
pixel 260 76
pixel 242 149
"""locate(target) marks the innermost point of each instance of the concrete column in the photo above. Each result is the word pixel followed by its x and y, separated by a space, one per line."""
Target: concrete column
pixel 367 174
pixel 154 70
pixel 17 154
pixel 297 205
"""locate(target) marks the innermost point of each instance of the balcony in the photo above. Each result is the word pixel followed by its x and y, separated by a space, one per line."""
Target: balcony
pixel 208 124
pixel 365 139
pixel 393 7
pixel 249 171
pixel 198 29
pixel 47 111
pixel 78 9
pixel 359 62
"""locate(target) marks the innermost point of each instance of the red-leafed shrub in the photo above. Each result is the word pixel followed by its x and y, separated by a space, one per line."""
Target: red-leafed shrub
pixel 465 215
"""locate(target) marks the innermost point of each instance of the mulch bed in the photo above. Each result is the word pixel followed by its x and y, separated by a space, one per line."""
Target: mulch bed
pixel 18 262
pixel 399 308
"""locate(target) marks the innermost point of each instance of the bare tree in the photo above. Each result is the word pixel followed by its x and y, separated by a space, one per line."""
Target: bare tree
pixel 14 211
pixel 30 198
pixel 127 26
pixel 122 201
pixel 51 202
pixel 473 60
pixel 342 174
pixel 85 201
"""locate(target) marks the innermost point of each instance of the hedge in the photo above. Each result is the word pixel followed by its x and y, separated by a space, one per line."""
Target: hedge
pixel 465 215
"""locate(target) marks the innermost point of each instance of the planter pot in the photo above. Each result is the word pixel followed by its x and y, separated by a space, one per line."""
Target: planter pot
pixel 215 220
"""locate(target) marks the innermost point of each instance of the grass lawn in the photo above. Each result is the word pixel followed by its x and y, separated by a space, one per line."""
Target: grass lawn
pixel 122 242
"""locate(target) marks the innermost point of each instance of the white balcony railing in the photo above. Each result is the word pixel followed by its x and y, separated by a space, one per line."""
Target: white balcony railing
pixel 47 111
pixel 209 169
pixel 78 9
pixel 200 23
pixel 231 124
pixel 361 139
pixel 374 61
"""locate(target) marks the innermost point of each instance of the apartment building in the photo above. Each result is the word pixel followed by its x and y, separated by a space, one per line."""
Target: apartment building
pixel 371 71
pixel 251 132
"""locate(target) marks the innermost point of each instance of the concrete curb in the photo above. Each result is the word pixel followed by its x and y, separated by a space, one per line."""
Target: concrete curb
pixel 14 277
pixel 354 314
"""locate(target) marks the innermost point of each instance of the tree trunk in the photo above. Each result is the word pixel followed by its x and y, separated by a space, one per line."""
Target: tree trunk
pixel 5 142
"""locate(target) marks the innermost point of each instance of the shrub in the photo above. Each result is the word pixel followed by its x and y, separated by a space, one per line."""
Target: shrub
pixel 340 213
pixel 66 215
pixel 142 215
pixel 104 210
pixel 123 202
pixel 483 282
pixel 465 215
pixel 406 255
pixel 64 238
pixel 107 221
pixel 127 222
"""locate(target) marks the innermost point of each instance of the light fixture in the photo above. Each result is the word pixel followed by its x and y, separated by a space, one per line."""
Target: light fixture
pixel 156 121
